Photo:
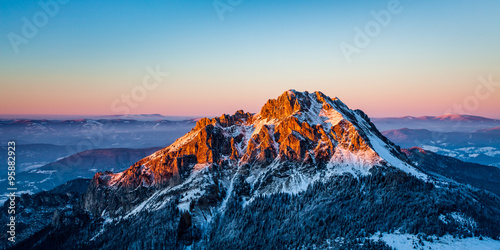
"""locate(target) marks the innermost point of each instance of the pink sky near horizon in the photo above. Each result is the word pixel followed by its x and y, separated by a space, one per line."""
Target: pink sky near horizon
pixel 184 102
pixel 212 93
pixel 83 64
pixel 406 91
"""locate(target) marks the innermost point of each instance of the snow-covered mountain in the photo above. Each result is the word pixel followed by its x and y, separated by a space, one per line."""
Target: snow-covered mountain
pixel 295 140
pixel 304 172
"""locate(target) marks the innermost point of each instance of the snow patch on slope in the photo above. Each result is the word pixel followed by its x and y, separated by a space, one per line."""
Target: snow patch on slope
pixel 381 148
pixel 384 152
pixel 460 218
pixel 409 241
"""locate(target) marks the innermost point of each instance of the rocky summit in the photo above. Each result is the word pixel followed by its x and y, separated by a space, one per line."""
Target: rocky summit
pixel 294 140
pixel 306 171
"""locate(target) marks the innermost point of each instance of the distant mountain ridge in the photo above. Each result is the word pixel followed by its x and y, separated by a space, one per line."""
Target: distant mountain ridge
pixel 93 134
pixel 481 146
pixel 442 123
pixel 495 130
pixel 480 176
pixel 449 117
pixel 137 117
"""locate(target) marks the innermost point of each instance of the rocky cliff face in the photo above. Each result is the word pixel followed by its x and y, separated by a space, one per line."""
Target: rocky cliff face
pixel 299 132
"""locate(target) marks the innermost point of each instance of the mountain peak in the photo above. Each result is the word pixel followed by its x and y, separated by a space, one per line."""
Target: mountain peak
pixel 459 117
pixel 295 139
pixel 293 102
pixel 286 104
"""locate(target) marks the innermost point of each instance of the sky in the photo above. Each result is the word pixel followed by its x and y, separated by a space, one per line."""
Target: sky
pixel 206 58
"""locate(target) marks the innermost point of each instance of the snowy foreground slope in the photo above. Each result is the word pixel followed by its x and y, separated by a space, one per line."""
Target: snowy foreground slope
pixel 409 241
pixel 303 170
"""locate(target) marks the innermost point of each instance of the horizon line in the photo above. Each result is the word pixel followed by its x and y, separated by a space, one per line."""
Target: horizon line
pixel 83 116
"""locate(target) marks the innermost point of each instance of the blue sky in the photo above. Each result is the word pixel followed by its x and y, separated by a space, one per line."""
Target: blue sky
pixel 92 52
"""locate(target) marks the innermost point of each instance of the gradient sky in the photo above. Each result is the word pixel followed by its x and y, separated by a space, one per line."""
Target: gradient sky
pixel 424 62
